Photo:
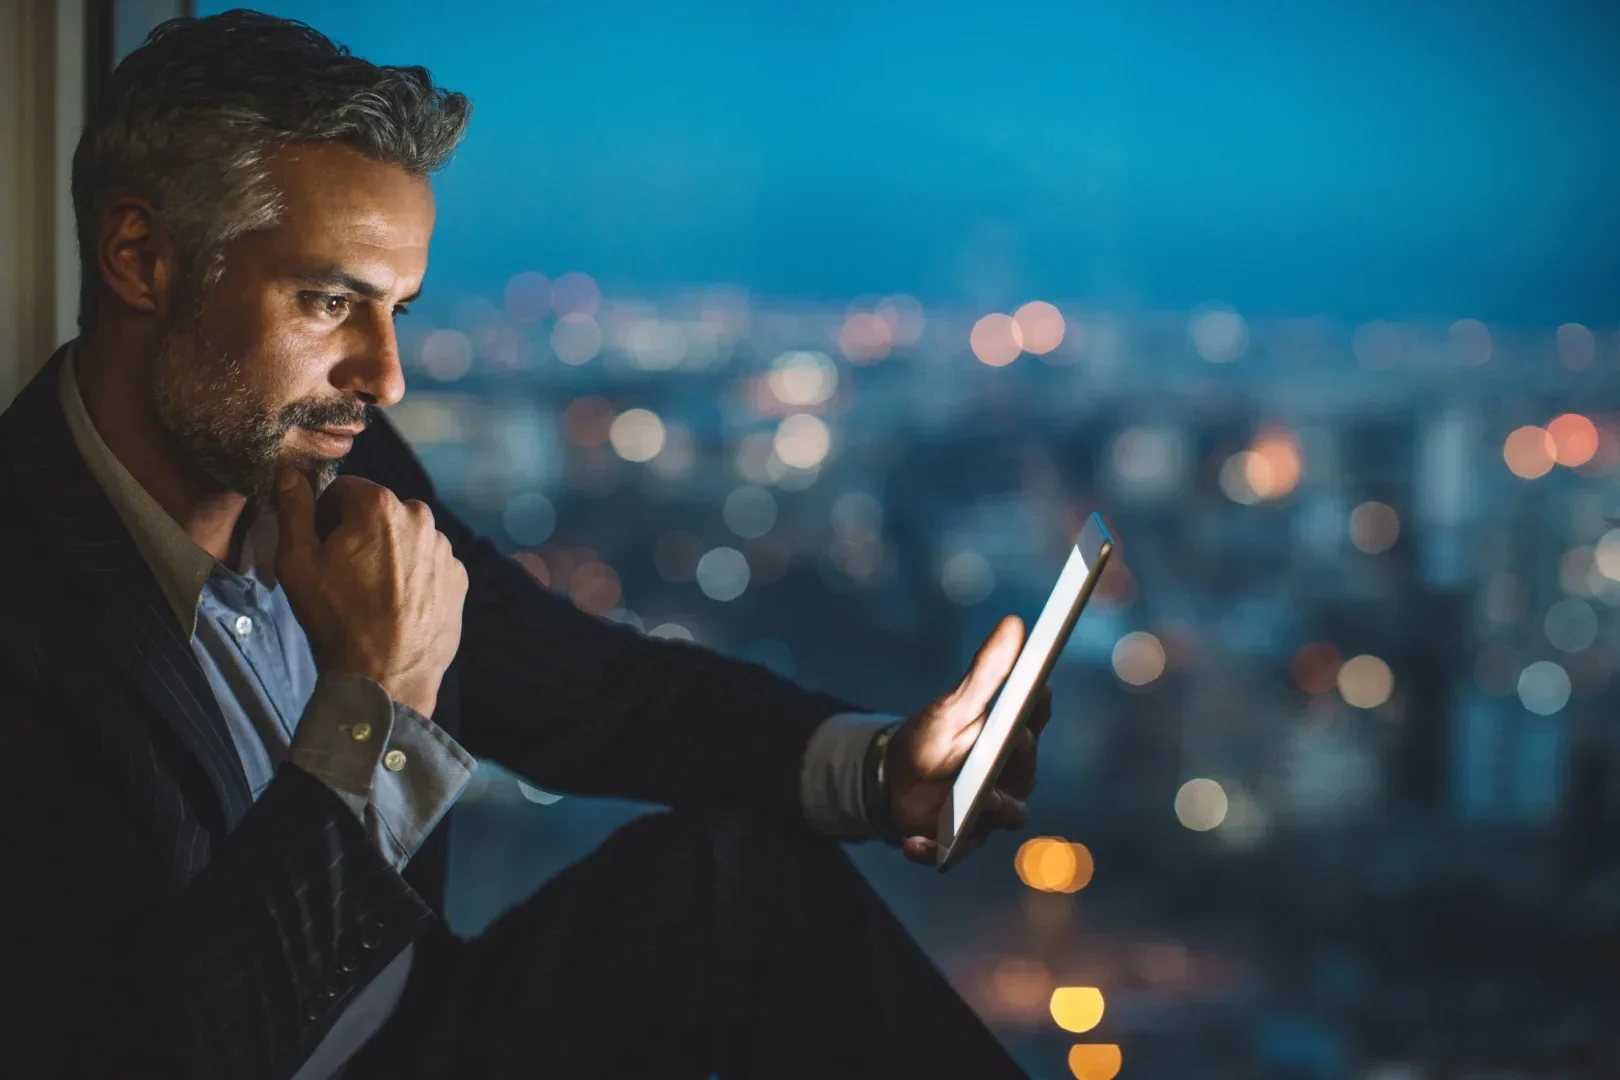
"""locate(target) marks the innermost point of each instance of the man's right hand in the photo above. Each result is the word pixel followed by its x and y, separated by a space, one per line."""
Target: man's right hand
pixel 381 595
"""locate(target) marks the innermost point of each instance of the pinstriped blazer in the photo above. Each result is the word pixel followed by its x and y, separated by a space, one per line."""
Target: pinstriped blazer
pixel 154 919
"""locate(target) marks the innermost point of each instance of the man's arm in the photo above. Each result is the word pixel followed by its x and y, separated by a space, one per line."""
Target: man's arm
pixel 117 970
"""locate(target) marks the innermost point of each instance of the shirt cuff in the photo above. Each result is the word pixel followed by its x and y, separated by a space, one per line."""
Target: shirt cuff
pixel 396 769
pixel 830 779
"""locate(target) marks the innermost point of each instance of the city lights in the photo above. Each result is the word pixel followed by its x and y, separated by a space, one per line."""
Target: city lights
pixel 1095 1061
pixel 1273 471
pixel 996 340
pixel 1138 658
pixel 576 338
pixel 1219 335
pixel 1077 1008
pixel 1470 342
pixel 722 574
pixel 1576 346
pixel 802 378
pixel 802 441
pixel 637 434
pixel 1201 805
pixel 447 355
pixel 671 631
pixel 905 318
pixel 1574 439
pixel 529 518
pixel 1315 667
pixel 750 511
pixel 1374 527
pixel 865 338
pixel 1544 687
pixel 587 421
pixel 1366 682
pixel 528 296
pixel 1040 327
pixel 1571 625
pixel 594 588
pixel 1052 864
pixel 1529 452
pixel 575 293
pixel 967 578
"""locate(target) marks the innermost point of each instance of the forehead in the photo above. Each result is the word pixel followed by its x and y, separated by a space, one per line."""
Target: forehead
pixel 338 203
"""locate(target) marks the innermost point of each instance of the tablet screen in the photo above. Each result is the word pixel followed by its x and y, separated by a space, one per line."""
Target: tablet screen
pixel 1034 663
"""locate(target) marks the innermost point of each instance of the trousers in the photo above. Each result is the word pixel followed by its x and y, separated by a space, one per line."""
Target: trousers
pixel 689 944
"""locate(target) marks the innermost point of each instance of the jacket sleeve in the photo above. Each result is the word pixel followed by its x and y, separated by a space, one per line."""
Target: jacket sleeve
pixel 115 969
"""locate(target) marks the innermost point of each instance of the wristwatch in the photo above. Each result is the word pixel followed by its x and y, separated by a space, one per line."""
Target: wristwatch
pixel 875 801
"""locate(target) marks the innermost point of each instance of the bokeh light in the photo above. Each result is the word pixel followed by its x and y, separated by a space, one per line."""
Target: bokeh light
pixel 1366 682
pixel 529 518
pixel 594 588
pixel 1374 527
pixel 722 574
pixel 865 338
pixel 1201 804
pixel 1138 658
pixel 528 296
pixel 1219 335
pixel 576 338
pixel 1077 1008
pixel 587 421
pixel 750 511
pixel 1040 327
pixel 1470 342
pixel 672 631
pixel 1023 983
pixel 1235 473
pixel 575 293
pixel 1575 571
pixel 637 434
pixel 1529 452
pixel 1574 439
pixel 905 317
pixel 1095 1061
pixel 1274 468
pixel 996 340
pixel 1571 625
pixel 802 378
pixel 1544 687
pixel 967 578
pixel 1315 667
pixel 447 355
pixel 1607 556
pixel 1052 864
pixel 802 441
pixel 1576 346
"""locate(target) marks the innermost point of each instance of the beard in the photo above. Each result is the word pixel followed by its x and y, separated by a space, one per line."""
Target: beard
pixel 228 429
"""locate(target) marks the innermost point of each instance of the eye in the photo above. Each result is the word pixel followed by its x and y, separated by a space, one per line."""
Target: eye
pixel 334 305
pixel 400 311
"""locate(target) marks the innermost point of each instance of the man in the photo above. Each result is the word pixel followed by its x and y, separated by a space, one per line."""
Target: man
pixel 239 691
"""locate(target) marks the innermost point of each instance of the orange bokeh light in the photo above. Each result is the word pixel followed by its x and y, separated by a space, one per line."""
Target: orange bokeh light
pixel 1316 667
pixel 1052 864
pixel 1095 1061
pixel 996 340
pixel 1530 452
pixel 1273 470
pixel 1040 325
pixel 594 588
pixel 535 565
pixel 1574 439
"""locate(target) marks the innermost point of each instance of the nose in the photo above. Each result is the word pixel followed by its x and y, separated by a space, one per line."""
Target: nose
pixel 373 372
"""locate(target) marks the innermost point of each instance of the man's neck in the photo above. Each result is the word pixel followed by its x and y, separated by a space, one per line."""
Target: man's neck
pixel 113 385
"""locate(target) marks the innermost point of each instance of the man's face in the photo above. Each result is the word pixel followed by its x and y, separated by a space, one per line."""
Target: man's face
pixel 296 340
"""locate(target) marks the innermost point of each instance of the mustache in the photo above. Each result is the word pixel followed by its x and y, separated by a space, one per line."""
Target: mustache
pixel 319 414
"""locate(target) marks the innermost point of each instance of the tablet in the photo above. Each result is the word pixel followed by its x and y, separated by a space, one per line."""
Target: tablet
pixel 1029 672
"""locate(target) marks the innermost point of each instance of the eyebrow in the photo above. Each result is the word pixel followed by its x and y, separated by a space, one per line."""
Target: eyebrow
pixel 333 277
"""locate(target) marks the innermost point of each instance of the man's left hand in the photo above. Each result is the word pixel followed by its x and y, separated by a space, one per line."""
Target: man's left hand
pixel 928 750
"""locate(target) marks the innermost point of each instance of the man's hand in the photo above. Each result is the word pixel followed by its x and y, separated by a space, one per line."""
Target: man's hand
pixel 927 752
pixel 381 596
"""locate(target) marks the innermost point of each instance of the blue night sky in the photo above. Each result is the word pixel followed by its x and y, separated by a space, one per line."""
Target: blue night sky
pixel 1355 159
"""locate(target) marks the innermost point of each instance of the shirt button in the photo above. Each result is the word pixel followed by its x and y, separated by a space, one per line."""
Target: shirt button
pixel 360 732
pixel 244 626
pixel 394 760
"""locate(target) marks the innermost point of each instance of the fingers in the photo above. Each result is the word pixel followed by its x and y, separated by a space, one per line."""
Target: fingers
pixel 1041 711
pixel 295 514
pixel 990 667
pixel 1002 811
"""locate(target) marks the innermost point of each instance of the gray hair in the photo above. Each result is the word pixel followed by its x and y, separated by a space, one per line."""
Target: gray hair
pixel 188 120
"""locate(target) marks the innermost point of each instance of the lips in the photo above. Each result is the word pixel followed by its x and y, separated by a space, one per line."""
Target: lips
pixel 333 442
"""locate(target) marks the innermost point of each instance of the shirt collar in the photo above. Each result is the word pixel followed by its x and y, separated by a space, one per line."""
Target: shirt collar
pixel 180 565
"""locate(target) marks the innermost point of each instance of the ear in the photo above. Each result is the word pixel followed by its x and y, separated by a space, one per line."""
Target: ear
pixel 135 256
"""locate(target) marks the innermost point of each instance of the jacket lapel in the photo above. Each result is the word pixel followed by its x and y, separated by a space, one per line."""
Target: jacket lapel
pixel 134 625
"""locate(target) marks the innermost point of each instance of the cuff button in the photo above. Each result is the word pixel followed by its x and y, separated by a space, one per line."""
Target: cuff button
pixel 394 760
pixel 358 732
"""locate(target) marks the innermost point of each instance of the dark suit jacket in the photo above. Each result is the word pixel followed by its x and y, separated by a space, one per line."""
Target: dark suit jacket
pixel 154 920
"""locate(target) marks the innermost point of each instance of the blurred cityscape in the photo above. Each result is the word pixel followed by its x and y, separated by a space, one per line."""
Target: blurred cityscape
pixel 1332 784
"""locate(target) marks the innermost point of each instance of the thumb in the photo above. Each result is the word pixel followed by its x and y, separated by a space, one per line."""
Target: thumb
pixel 295 514
pixel 990 669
